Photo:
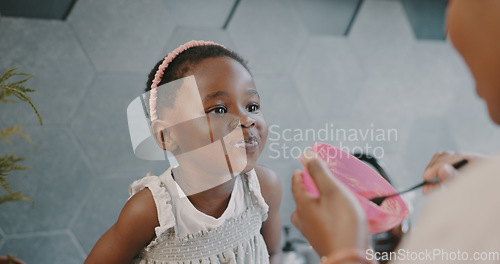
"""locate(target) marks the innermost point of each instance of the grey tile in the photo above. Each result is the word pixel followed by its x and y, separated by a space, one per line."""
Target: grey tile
pixel 284 111
pixel 182 35
pixel 51 9
pixel 281 102
pixel 268 34
pixel 57 180
pixel 328 77
pixel 356 134
pixel 428 136
pixel 427 18
pixel 431 75
pixel 286 143
pixel 470 122
pixel 381 36
pixel 101 125
pixel 101 209
pixel 387 104
pixel 62 71
pixel 200 14
pixel 122 35
pixel 326 17
pixel 56 248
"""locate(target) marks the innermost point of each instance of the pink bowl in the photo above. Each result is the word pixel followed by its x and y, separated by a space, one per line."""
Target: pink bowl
pixel 365 183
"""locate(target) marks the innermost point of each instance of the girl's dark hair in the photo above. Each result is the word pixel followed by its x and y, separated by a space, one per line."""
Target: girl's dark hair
pixel 181 65
pixel 189 58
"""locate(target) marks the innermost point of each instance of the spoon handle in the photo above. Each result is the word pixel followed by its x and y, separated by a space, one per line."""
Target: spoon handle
pixel 416 186
pixel 456 165
pixel 379 200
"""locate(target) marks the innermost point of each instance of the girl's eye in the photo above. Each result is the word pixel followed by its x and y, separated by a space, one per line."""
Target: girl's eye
pixel 253 108
pixel 218 110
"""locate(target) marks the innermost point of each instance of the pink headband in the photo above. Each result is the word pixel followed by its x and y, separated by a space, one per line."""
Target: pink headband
pixel 153 96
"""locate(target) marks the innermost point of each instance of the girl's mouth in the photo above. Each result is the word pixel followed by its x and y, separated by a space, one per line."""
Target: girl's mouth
pixel 251 143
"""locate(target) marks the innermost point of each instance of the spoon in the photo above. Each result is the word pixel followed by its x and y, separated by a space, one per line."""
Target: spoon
pixel 379 200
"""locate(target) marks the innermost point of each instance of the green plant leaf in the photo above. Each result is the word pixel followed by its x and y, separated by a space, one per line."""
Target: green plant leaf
pixel 16 89
pixel 14 131
pixel 9 162
pixel 15 197
pixel 22 96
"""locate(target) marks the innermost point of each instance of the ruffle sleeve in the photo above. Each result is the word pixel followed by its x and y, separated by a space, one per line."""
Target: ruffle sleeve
pixel 162 200
pixel 258 199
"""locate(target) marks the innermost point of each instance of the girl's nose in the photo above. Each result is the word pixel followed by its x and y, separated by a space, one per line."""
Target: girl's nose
pixel 247 121
pixel 243 121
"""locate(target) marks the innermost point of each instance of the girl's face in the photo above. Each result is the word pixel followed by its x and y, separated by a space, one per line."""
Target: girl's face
pixel 230 106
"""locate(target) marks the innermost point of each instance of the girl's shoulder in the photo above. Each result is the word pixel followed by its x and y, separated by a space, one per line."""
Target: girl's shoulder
pixel 267 177
pixel 152 191
pixel 141 208
pixel 139 214
pixel 270 185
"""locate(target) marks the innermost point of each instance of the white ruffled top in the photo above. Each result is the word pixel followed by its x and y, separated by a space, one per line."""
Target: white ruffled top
pixel 178 216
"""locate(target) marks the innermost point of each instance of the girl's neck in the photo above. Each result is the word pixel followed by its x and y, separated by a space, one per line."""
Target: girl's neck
pixel 214 201
pixel 194 178
pixel 208 193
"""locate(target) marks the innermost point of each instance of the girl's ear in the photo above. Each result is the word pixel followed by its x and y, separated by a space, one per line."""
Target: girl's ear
pixel 162 135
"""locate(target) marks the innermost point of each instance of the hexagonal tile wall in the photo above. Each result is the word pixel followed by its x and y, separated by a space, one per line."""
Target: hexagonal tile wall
pixel 432 74
pixel 122 35
pixel 182 35
pixel 382 37
pixel 427 18
pixel 429 135
pixel 328 77
pixel 51 9
pixel 101 124
pixel 101 210
pixel 374 109
pixel 470 122
pixel 268 34
pixel 62 70
pixel 54 247
pixel 200 14
pixel 274 90
pixel 327 17
pixel 281 118
pixel 57 180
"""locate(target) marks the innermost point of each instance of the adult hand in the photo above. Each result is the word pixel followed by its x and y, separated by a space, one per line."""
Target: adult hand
pixel 334 220
pixel 441 166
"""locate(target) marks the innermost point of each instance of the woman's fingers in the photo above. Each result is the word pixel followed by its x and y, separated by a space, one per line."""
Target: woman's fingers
pixel 298 189
pixel 441 166
pixel 443 171
pixel 321 175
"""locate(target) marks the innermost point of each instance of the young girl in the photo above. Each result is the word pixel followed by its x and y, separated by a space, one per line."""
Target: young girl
pixel 189 214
